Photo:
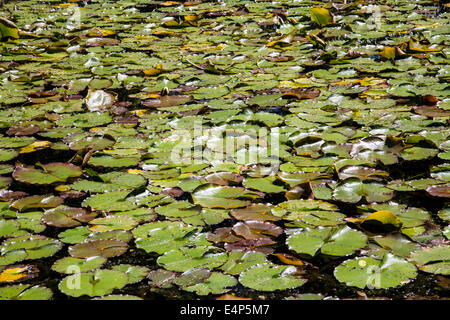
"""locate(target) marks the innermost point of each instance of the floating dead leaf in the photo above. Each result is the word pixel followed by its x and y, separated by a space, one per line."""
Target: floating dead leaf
pixel 18 273
pixel 289 259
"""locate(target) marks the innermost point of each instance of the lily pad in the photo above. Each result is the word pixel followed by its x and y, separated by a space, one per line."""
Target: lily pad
pixel 271 277
pixel 339 241
pixel 69 265
pixel 66 217
pixel 112 223
pixel 433 260
pixel 184 259
pixel 217 283
pixel 352 190
pixel 362 272
pixel 98 283
pixel 46 174
pixel 134 273
pixel 103 248
pixel 24 292
pixel 223 197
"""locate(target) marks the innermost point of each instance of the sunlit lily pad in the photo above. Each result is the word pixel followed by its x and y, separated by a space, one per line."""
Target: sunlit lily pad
pixel 29 247
pixel 134 273
pixel 98 283
pixel 352 190
pixel 110 201
pixel 112 223
pixel 271 277
pixel 362 272
pixel 223 197
pixel 215 284
pixel 331 241
pixel 45 201
pixel 69 265
pixel 184 259
pixel 25 292
pixel 239 261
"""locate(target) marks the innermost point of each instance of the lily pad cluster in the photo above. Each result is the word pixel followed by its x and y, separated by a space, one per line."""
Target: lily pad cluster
pixel 222 148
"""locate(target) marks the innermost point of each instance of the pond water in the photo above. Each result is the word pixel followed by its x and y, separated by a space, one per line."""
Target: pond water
pixel 224 149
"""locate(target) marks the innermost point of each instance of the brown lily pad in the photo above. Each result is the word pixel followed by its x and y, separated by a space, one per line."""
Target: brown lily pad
pixel 258 212
pixel 254 230
pixel 167 101
pixel 66 217
pixel 442 190
pixel 103 248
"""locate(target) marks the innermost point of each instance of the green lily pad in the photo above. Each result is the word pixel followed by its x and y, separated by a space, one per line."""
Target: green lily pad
pixel 112 223
pixel 433 260
pixel 8 154
pixel 215 284
pixel 223 197
pixel 69 265
pixel 321 16
pixel 34 202
pixel 239 261
pixel 110 201
pixel 262 184
pixel 98 283
pixel 24 292
pixel 271 277
pixel 192 277
pixel 397 244
pixel 46 174
pixel 134 273
pixel 113 181
pixel 29 247
pixel 184 259
pixel 163 236
pixel 362 272
pixel 340 241
pixel 8 227
pixel 8 29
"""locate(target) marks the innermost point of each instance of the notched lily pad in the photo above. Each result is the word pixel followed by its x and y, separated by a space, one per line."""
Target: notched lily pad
pixel 366 272
pixel 67 217
pixel 271 277
pixel 46 174
pixel 98 283
pixel 433 260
